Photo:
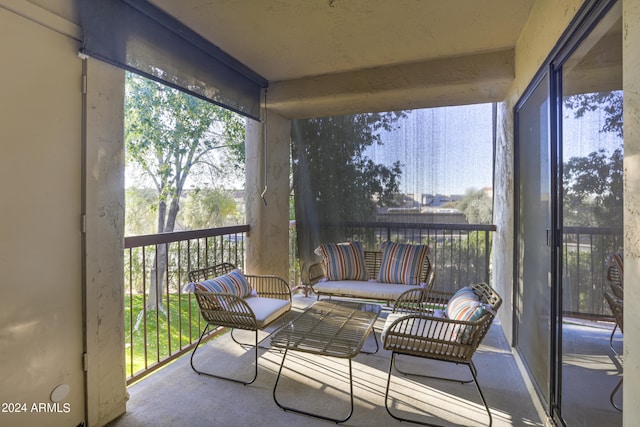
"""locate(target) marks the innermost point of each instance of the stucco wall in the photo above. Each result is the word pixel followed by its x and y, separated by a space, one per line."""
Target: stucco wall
pixel 106 385
pixel 631 86
pixel 267 250
pixel 41 332
pixel 43 250
pixel 547 22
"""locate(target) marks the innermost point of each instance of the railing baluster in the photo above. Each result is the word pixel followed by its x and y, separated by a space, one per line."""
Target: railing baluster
pixel 144 305
pixel 457 253
pixel 142 359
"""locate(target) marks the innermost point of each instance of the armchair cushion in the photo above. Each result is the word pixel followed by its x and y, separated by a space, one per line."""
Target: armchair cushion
pixel 415 332
pixel 343 261
pixel 267 310
pixel 402 263
pixel 233 283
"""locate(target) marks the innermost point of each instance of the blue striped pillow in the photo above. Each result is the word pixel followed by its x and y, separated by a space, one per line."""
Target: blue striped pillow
pixel 343 261
pixel 233 283
pixel 402 263
pixel 464 305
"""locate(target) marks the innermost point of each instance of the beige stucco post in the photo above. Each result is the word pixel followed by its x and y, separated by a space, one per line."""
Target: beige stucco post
pixel 267 248
pixel 631 87
pixel 104 237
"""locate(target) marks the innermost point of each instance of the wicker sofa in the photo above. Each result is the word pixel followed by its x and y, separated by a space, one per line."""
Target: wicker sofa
pixel 370 288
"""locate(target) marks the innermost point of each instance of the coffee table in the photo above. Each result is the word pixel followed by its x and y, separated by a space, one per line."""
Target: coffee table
pixel 327 328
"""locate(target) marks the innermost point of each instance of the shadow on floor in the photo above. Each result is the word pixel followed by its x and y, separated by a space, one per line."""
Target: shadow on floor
pixel 176 396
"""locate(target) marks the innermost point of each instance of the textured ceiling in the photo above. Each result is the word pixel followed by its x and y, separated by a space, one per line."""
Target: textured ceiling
pixel 293 39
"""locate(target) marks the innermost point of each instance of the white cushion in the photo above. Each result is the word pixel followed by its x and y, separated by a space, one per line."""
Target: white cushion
pixel 413 330
pixel 362 289
pixel 267 309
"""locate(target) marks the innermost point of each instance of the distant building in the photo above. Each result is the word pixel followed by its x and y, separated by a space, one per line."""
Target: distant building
pixel 427 210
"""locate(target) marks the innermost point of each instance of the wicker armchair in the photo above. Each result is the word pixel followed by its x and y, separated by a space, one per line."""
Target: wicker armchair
pixel 271 301
pixel 615 275
pixel 616 305
pixel 418 328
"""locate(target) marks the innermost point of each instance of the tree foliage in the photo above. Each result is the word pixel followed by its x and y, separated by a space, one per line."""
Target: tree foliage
pixel 331 174
pixel 168 136
pixel 593 187
pixel 593 184
pixel 477 206
pixel 609 102
pixel 208 208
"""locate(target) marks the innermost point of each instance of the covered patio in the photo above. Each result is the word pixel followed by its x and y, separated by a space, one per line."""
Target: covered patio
pixel 63 230
pixel 176 395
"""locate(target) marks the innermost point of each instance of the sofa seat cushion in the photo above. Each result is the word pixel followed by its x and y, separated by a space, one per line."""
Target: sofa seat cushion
pixel 267 310
pixel 362 289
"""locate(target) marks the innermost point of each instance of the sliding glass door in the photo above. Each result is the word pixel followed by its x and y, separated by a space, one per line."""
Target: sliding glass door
pixel 533 225
pixel 568 160
pixel 591 156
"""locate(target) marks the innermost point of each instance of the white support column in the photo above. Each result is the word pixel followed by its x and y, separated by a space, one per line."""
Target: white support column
pixel 267 248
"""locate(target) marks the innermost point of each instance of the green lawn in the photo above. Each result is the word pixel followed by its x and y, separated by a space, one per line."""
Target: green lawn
pixel 163 337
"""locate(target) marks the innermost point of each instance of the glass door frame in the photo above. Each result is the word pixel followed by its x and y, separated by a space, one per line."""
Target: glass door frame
pixel 583 23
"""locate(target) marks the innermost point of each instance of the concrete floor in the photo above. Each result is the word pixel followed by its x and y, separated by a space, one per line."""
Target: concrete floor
pixel 176 396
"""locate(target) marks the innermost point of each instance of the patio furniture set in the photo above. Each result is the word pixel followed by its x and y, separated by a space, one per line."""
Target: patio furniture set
pixel 424 323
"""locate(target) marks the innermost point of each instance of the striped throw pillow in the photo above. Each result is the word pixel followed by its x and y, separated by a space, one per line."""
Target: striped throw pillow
pixel 343 261
pixel 465 306
pixel 233 283
pixel 402 263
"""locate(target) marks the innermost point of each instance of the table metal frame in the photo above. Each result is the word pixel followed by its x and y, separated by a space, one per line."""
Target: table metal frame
pixel 327 328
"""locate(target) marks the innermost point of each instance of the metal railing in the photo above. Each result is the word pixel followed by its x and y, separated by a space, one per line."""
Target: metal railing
pixel 161 326
pixel 584 273
pixel 162 322
pixel 459 253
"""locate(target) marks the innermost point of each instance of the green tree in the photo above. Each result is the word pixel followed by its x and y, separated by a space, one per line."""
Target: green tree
pixel 593 189
pixel 331 172
pixel 593 184
pixel 208 208
pixel 140 212
pixel 168 135
pixel 476 205
pixel 333 180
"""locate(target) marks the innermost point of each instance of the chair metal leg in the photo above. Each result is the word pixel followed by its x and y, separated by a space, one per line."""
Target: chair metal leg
pixel 377 346
pixel 244 344
pixel 611 338
pixel 474 373
pixel 255 375
pixel 312 414
pixel 615 390
pixel 473 370
pixel 455 380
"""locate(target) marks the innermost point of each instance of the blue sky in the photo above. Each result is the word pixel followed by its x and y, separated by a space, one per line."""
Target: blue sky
pixel 444 150
pixel 449 150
